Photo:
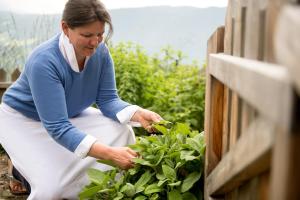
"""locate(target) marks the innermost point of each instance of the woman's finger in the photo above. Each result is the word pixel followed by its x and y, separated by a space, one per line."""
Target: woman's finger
pixel 133 153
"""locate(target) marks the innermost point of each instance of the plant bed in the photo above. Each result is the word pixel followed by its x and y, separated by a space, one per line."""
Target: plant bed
pixel 170 166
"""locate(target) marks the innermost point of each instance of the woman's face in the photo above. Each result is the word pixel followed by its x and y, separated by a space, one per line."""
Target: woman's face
pixel 85 39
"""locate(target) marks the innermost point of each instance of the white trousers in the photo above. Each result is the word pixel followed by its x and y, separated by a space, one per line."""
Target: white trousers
pixel 52 171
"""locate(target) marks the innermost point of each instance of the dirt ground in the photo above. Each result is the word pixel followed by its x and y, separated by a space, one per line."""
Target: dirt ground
pixel 4 188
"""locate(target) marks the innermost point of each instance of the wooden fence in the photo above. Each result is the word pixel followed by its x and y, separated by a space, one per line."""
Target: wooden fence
pixel 6 78
pixel 252 114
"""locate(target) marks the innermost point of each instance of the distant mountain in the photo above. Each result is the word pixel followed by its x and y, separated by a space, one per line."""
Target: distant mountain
pixel 183 28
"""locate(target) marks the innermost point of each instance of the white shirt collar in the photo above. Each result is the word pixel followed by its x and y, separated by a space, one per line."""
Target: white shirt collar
pixel 68 52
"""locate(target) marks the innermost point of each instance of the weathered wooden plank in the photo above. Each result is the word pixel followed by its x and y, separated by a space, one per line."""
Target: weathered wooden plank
pixel 249 190
pixel 3 87
pixel 237 51
pixel 264 186
pixel 2 75
pixel 265 86
pixel 215 45
pixel 233 195
pixel 272 12
pixel 247 116
pixel 226 121
pixel 248 158
pixel 285 173
pixel 252 30
pixel 15 75
pixel 214 128
pixel 239 15
pixel 286 160
pixel 228 37
pixel 287 42
pixel 234 120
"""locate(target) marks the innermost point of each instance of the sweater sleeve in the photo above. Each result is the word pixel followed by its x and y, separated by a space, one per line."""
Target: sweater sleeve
pixel 107 99
pixel 49 98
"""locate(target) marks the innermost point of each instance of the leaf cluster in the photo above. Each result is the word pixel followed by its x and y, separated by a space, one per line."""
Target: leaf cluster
pixel 170 166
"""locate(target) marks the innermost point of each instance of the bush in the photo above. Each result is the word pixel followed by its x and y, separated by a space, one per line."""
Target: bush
pixel 162 84
pixel 170 166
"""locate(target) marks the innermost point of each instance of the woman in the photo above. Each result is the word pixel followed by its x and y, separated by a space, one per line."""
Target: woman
pixel 48 128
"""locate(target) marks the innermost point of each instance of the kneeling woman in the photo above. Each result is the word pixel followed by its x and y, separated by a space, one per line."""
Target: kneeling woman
pixel 48 128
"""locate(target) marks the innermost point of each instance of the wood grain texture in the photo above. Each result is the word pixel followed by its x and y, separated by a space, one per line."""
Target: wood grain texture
pixel 286 161
pixel 272 13
pixel 226 121
pixel 228 48
pixel 213 150
pixel 287 42
pixel 265 86
pixel 234 120
pixel 249 157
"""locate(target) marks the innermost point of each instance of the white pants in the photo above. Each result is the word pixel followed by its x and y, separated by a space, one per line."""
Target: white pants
pixel 52 171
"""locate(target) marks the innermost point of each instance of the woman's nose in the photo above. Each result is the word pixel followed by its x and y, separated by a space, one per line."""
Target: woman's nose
pixel 96 40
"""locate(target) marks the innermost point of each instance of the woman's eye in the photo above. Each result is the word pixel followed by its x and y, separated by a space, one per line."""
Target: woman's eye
pixel 87 36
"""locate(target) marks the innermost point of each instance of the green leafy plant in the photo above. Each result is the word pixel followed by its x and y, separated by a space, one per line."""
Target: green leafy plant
pixel 161 83
pixel 170 166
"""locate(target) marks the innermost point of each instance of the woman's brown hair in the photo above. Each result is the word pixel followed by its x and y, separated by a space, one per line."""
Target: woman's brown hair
pixel 81 12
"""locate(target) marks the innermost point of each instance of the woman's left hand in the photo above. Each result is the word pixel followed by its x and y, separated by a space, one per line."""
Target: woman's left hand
pixel 146 118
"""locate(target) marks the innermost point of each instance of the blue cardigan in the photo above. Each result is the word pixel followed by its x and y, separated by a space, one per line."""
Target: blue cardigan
pixel 50 91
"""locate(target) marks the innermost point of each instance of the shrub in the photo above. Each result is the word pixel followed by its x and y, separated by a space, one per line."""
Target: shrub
pixel 162 84
pixel 170 166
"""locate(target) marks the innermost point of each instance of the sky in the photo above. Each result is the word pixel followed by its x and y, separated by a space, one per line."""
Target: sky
pixel 56 6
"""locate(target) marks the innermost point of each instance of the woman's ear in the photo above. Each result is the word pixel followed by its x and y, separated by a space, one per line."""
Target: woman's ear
pixel 65 28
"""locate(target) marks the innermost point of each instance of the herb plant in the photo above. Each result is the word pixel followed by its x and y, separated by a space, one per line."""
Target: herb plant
pixel 170 166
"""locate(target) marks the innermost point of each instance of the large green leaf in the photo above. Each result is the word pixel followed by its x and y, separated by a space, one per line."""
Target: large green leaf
pixel 96 176
pixel 174 194
pixel 188 196
pixel 153 188
pixel 140 197
pixel 169 172
pixel 90 192
pixel 175 184
pixel 142 162
pixel 145 178
pixel 128 189
pixel 190 180
pixel 187 155
pixel 161 129
pixel 182 128
pixel 194 144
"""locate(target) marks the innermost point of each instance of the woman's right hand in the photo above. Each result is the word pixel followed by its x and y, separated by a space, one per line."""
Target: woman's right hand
pixel 119 156
pixel 122 157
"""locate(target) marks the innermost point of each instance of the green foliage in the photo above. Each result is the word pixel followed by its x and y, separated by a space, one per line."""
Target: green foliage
pixel 161 83
pixel 170 166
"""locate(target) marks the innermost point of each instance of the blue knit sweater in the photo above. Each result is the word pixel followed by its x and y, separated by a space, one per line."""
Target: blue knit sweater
pixel 50 91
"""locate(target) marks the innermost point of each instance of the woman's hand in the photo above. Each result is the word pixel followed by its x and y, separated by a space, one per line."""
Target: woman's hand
pixel 122 157
pixel 146 118
pixel 119 156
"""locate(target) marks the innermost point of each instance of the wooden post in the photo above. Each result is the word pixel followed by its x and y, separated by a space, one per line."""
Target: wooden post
pixel 286 161
pixel 214 104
